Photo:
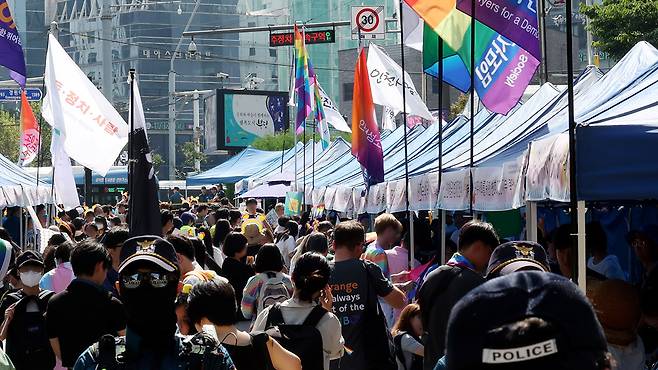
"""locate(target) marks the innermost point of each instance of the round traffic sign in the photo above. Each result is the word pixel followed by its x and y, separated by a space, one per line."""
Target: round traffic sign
pixel 367 19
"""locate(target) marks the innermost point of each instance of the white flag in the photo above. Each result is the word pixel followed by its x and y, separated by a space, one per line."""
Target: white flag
pixel 92 131
pixel 388 119
pixel 65 191
pixel 332 115
pixel 412 26
pixel 386 84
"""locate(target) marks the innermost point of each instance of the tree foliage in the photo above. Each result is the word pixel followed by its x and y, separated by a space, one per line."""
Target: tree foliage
pixel 191 154
pixel 286 140
pixel 618 25
pixel 10 135
pixel 458 106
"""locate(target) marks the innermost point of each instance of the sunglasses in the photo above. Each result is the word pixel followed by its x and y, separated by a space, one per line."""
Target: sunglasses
pixel 155 279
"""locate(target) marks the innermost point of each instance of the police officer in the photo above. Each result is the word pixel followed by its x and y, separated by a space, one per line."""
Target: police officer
pixel 148 284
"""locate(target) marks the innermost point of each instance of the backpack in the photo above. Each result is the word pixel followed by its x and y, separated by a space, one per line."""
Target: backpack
pixel 379 349
pixel 197 352
pixel 30 345
pixel 303 340
pixel 417 361
pixel 272 291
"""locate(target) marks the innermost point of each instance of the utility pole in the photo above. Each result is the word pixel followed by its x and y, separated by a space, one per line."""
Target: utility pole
pixel 106 23
pixel 172 96
pixel 197 131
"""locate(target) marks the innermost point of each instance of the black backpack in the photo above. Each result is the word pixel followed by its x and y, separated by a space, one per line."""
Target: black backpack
pixel 303 340
pixel 379 349
pixel 30 345
pixel 417 361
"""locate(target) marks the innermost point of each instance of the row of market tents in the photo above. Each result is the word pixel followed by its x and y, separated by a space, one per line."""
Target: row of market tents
pixel 517 158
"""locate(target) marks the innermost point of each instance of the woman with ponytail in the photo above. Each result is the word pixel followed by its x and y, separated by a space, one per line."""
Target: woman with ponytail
pixel 310 279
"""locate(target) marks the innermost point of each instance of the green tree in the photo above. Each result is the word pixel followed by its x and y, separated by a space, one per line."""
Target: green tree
pixel 458 106
pixel 158 161
pixel 191 154
pixel 10 135
pixel 618 25
pixel 286 140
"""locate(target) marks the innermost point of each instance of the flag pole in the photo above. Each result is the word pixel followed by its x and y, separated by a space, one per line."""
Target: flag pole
pixel 131 153
pixel 313 164
pixel 472 124
pixel 440 177
pixel 573 196
pixel 406 154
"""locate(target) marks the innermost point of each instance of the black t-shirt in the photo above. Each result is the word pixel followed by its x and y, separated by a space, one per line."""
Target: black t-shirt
pixel 350 282
pixel 27 341
pixel 436 298
pixel 80 315
pixel 253 356
pixel 237 274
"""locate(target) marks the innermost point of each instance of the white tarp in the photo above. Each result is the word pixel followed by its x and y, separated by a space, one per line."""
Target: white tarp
pixel 423 191
pixel 455 189
pixel 496 188
pixel 396 200
pixel 547 177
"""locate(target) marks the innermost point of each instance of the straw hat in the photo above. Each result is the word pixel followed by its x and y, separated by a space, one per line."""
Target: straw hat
pixel 253 234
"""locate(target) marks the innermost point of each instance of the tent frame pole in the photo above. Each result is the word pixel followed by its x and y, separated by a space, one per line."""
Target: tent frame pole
pixel 406 153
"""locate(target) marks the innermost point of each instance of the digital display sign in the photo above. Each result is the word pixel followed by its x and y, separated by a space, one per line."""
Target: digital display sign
pixel 244 115
pixel 312 37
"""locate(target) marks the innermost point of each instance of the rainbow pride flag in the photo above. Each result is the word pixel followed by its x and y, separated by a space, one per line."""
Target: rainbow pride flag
pixel 320 119
pixel 302 83
pixel 504 62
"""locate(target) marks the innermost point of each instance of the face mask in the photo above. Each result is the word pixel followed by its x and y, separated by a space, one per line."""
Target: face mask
pixel 151 312
pixel 31 278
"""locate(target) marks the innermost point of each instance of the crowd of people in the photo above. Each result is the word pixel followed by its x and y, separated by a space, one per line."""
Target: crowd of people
pixel 228 288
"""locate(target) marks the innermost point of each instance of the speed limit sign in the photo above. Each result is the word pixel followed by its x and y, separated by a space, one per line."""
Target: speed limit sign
pixel 368 22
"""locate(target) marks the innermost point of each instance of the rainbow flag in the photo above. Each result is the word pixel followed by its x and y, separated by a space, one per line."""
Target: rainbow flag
pixel 29 133
pixel 366 142
pixel 320 119
pixel 504 62
pixel 302 83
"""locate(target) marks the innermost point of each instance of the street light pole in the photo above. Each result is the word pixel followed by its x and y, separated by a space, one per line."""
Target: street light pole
pixel 172 100
pixel 106 24
pixel 197 131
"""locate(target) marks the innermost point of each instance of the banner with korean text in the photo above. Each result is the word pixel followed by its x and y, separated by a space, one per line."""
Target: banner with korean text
pixel 93 132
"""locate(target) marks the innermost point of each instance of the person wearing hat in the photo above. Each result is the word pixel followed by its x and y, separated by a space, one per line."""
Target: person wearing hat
pixel 24 326
pixel 517 256
pixel 148 285
pixel 256 237
pixel 525 320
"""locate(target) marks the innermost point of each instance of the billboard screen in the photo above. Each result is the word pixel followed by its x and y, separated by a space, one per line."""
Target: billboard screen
pixel 244 115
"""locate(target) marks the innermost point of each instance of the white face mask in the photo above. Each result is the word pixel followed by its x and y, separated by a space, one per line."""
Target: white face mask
pixel 31 278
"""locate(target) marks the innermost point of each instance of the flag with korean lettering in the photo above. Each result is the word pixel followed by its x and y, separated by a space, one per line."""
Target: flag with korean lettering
pixel 506 45
pixel 11 51
pixel 93 132
pixel 30 133
pixel 366 140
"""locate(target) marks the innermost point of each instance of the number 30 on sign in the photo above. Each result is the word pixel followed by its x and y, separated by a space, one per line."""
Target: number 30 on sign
pixel 368 22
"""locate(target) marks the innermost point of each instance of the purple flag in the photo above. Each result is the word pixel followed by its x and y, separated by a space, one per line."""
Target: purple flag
pixel 11 51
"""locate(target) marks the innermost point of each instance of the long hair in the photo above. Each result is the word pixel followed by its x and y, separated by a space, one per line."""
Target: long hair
pixel 404 321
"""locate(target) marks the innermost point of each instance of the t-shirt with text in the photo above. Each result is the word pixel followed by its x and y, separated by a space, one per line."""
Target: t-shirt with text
pixel 351 281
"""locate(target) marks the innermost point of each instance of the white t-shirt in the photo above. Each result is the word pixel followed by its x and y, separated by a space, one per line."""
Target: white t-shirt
pixel 218 256
pixel 630 357
pixel 286 246
pixel 609 267
pixel 409 347
pixel 295 312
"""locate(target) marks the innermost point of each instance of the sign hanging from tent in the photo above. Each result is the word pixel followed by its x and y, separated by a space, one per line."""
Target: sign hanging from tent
pixel 293 203
pixel 368 22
